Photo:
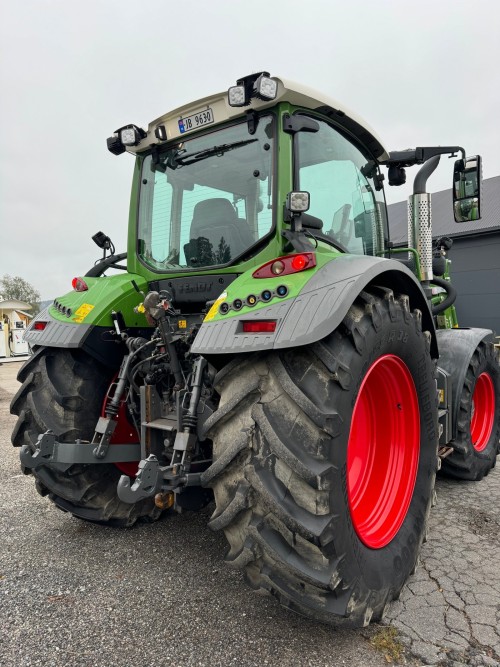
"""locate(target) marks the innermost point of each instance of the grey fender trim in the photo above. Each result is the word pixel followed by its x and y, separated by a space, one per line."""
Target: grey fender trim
pixel 56 333
pixel 456 347
pixel 70 335
pixel 318 309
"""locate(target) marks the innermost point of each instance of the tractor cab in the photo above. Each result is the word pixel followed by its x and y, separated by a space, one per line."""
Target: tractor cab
pixel 212 180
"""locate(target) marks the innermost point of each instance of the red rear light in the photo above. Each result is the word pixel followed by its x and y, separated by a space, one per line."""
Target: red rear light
pixel 299 262
pixel 40 326
pixel 283 266
pixel 259 326
pixel 79 285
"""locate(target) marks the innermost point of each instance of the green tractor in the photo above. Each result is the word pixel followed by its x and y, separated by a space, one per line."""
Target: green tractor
pixel 265 347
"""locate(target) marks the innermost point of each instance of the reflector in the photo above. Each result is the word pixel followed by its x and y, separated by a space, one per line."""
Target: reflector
pixel 259 326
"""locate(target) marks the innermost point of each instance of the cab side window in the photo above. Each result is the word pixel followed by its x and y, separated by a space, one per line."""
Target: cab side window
pixel 333 171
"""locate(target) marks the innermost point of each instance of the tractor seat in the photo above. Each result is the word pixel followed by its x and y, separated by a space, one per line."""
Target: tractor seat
pixel 225 235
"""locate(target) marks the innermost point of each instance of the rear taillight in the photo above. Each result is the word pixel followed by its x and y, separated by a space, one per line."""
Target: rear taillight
pixel 39 326
pixel 79 285
pixel 259 326
pixel 282 266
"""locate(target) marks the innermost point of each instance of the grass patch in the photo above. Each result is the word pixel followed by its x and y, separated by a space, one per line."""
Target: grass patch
pixel 386 641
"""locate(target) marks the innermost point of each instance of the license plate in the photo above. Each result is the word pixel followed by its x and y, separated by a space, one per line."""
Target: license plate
pixel 196 120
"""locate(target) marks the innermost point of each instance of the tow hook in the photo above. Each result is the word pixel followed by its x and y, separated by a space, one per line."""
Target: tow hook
pixel 153 480
pixel 147 483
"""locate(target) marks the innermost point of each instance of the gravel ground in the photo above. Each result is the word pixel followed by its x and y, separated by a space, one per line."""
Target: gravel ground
pixel 78 594
pixel 73 593
pixel 450 610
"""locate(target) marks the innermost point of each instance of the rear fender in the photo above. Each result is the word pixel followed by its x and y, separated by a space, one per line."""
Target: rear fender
pixel 83 319
pixel 456 347
pixel 316 311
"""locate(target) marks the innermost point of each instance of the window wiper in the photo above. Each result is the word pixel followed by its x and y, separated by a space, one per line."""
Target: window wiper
pixel 188 158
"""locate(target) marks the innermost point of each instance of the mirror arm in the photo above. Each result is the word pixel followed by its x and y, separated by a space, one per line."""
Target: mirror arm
pixel 424 154
pixel 420 155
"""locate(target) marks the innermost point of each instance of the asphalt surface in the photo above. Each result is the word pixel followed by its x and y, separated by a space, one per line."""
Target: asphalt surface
pixel 74 593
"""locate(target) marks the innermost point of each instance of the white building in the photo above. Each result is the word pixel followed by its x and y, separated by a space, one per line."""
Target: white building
pixel 13 323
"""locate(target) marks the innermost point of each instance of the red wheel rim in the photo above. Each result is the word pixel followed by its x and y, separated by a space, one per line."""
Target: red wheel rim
pixel 383 451
pixel 483 412
pixel 125 434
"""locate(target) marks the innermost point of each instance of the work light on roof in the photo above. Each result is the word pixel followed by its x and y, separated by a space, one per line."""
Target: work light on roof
pixel 259 85
pixel 266 88
pixel 236 96
pixel 131 135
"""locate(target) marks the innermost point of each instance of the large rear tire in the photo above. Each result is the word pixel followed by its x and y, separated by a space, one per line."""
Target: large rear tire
pixel 324 463
pixel 477 438
pixel 64 390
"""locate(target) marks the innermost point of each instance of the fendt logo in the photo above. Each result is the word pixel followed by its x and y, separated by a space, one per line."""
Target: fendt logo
pixel 188 288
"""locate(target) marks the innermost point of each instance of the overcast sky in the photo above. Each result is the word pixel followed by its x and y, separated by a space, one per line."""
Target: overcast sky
pixel 71 72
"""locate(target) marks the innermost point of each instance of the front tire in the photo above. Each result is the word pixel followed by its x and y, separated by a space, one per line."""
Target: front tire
pixel 310 515
pixel 63 390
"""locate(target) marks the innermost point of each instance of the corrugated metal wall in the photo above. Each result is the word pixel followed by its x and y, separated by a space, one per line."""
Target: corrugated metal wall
pixel 476 276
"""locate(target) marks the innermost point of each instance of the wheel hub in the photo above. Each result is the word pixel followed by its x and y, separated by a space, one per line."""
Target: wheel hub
pixel 383 451
pixel 482 412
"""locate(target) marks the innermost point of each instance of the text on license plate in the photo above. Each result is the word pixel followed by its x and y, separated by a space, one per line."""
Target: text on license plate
pixel 199 119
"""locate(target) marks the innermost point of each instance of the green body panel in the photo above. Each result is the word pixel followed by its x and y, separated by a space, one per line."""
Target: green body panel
pixel 105 294
pixel 247 285
pixel 448 318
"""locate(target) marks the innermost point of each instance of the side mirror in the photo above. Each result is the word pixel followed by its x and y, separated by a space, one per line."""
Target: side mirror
pixel 467 182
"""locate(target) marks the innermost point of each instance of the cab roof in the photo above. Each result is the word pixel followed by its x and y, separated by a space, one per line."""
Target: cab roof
pixel 287 91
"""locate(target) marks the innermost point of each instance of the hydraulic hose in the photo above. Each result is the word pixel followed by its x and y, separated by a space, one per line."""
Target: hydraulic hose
pixel 451 295
pixel 103 264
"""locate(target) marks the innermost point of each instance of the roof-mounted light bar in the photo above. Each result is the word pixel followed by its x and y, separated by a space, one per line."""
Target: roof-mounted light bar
pixel 260 86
